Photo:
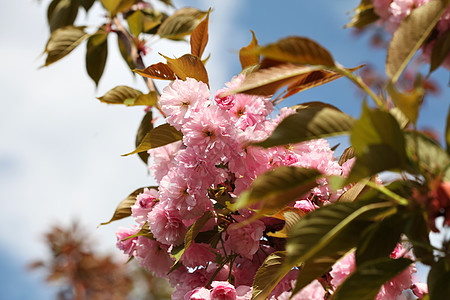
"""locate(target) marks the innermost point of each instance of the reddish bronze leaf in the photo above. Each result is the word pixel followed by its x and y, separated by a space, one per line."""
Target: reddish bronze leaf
pixel 188 66
pixel 199 37
pixel 157 71
pixel 248 60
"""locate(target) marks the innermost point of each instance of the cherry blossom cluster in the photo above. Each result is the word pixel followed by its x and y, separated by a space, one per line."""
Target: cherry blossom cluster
pixel 392 12
pixel 210 167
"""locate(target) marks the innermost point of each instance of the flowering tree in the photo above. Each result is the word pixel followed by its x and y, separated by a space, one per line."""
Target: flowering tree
pixel 252 205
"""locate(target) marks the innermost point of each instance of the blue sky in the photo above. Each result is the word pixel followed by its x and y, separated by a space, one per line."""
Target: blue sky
pixel 60 147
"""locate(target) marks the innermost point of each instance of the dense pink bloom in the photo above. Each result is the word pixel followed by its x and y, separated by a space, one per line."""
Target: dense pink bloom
pixel 313 291
pixel 244 292
pixel 143 205
pixel 180 98
pixel 244 240
pixel 127 245
pixel 185 281
pixel 163 159
pixel 166 225
pixel 197 255
pixel 305 205
pixel 199 293
pixel 222 290
pixel 342 269
pixel 153 256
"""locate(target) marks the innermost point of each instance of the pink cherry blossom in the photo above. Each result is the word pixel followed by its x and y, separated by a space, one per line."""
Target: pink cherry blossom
pixel 198 254
pixel 163 159
pixel 153 256
pixel 222 290
pixel 166 225
pixel 124 244
pixel 244 240
pixel 199 293
pixel 143 205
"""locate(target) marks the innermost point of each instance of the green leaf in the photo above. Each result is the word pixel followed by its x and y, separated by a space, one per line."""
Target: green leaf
pixel 408 103
pixel 199 37
pixel 61 13
pixel 248 60
pixel 129 96
pixel 352 193
pixel 62 41
pixel 195 229
pixel 124 52
pixel 276 188
pixel 331 230
pixel 310 123
pixel 157 71
pixel 117 6
pixel 144 231
pixel 364 15
pixel 188 66
pixel 439 280
pixel 291 216
pixel 269 274
pixel 426 152
pixel 157 137
pixel 96 54
pixel 411 34
pixel 295 49
pixel 440 50
pixel 145 126
pixel 135 22
pixel 387 230
pixel 365 282
pixel 180 23
pixel 123 210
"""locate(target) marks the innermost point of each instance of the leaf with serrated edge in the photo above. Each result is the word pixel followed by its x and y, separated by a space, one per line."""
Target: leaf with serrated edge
pixel 119 94
pixel 265 82
pixel 410 35
pixel 145 126
pixel 157 71
pixel 96 55
pixel 180 23
pixel 269 274
pixel 157 137
pixel 277 187
pixel 365 282
pixel 295 49
pixel 62 41
pixel 310 123
pixel 188 66
pixel 199 37
pixel 123 210
pixel 248 60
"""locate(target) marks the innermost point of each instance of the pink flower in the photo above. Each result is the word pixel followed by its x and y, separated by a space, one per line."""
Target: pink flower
pixel 127 245
pixel 163 159
pixel 222 290
pixel 305 205
pixel 313 291
pixel 166 225
pixel 153 256
pixel 342 269
pixel 244 292
pixel 197 254
pixel 244 240
pixel 419 289
pixel 199 293
pixel 143 205
pixel 180 98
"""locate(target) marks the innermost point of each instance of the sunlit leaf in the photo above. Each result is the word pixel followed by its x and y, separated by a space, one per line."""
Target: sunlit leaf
pixel 411 34
pixel 135 22
pixel 144 231
pixel 295 49
pixel 364 15
pixel 402 120
pixel 348 153
pixel 120 94
pixel 96 54
pixel 199 37
pixel 365 282
pixel 408 103
pixel 266 82
pixel 61 13
pixel 145 126
pixel 188 66
pixel 440 50
pixel 117 6
pixel 180 23
pixel 269 274
pixel 276 188
pixel 291 216
pixel 352 193
pixel 248 60
pixel 332 229
pixel 313 79
pixel 387 230
pixel 304 105
pixel 309 123
pixel 195 229
pixel 123 210
pixel 62 41
pixel 157 71
pixel 157 137
pixel 439 280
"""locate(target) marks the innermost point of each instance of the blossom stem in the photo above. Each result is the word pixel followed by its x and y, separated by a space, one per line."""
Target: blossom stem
pixel 397 198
